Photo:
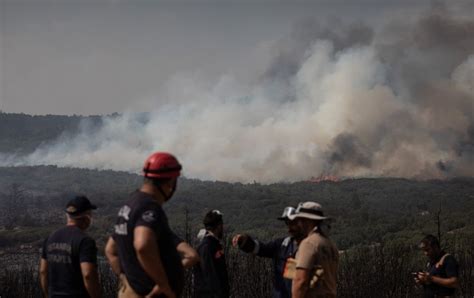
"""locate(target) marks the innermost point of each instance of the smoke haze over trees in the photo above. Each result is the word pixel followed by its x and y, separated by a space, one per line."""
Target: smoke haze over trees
pixel 336 99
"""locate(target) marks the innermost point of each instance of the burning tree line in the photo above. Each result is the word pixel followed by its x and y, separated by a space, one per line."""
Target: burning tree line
pixel 375 271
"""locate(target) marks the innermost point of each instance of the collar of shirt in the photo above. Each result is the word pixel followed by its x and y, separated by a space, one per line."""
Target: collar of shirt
pixel 210 234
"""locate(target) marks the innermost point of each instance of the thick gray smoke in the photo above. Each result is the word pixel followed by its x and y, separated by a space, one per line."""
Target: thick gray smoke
pixel 337 99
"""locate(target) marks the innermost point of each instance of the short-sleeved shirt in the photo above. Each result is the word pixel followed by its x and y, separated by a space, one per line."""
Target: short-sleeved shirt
pixel 210 274
pixel 65 250
pixel 318 251
pixel 445 269
pixel 142 210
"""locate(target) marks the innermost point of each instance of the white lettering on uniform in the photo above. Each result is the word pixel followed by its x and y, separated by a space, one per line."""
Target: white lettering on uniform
pixel 124 212
pixel 59 246
pixel 121 229
pixel 59 259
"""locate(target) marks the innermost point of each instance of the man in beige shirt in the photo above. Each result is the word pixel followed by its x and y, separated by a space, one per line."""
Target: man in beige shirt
pixel 317 257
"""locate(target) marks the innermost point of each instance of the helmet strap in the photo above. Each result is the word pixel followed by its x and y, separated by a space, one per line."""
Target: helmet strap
pixel 163 193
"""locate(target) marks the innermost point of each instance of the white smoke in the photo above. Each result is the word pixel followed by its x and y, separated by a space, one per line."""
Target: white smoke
pixel 336 104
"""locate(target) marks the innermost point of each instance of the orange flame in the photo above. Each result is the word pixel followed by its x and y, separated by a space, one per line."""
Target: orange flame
pixel 323 178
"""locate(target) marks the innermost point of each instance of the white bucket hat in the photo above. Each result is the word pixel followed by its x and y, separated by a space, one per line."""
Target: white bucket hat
pixel 311 210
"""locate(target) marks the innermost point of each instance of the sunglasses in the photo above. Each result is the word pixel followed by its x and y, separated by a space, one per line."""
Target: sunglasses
pixel 288 211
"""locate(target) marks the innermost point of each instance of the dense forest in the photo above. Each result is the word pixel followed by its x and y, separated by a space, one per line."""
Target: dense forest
pixel 378 223
pixel 365 211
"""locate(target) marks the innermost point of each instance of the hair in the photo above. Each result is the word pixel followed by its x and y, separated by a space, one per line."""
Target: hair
pixel 212 220
pixel 79 216
pixel 430 240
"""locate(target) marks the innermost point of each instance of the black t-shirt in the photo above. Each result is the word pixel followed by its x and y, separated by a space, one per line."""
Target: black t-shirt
pixel 143 210
pixel 210 274
pixel 448 268
pixel 64 250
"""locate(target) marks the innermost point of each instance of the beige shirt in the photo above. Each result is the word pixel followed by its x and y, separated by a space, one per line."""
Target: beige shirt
pixel 317 251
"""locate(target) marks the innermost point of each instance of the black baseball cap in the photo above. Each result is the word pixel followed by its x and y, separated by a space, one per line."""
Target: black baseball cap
pixel 78 205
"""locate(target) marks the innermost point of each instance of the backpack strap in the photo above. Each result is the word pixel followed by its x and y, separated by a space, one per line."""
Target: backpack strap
pixel 441 261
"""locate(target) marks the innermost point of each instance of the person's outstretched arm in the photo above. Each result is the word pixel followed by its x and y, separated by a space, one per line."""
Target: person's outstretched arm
pixel 269 249
pixel 189 256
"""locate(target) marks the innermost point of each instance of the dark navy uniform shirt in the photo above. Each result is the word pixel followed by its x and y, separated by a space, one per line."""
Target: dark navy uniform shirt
pixel 143 210
pixel 64 250
pixel 447 268
pixel 279 250
pixel 210 274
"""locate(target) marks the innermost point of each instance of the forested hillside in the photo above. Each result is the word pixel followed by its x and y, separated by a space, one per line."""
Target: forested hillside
pixel 21 133
pixel 366 211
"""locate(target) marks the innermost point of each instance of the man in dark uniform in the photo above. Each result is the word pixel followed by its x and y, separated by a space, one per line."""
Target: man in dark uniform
pixel 441 276
pixel 68 266
pixel 148 257
pixel 210 275
pixel 279 250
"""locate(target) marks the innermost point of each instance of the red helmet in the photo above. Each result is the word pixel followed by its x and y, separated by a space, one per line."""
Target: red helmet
pixel 161 165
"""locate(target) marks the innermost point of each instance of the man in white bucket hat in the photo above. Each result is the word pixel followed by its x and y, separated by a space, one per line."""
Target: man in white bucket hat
pixel 317 257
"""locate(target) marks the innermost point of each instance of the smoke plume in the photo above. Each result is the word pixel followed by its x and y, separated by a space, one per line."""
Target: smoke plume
pixel 337 99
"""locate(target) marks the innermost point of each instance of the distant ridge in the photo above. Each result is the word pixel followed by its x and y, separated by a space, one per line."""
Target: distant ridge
pixel 23 133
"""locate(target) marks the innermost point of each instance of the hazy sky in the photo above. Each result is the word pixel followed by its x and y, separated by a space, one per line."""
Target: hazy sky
pixel 242 91
pixel 99 57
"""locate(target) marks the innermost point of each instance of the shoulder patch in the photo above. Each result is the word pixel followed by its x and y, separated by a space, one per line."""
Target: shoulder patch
pixel 286 241
pixel 149 216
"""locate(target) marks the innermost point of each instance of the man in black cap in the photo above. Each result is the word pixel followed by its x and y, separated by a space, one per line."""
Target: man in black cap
pixel 68 266
pixel 279 250
pixel 210 275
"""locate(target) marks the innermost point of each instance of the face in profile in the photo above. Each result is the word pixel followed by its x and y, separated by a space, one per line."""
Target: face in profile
pixel 170 188
pixel 294 229
pixel 220 231
pixel 428 251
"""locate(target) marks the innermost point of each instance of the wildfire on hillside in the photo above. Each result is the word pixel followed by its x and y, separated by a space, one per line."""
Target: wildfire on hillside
pixel 323 178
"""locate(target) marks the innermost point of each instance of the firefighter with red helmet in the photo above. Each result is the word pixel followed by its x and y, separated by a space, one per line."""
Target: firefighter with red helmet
pixel 143 251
